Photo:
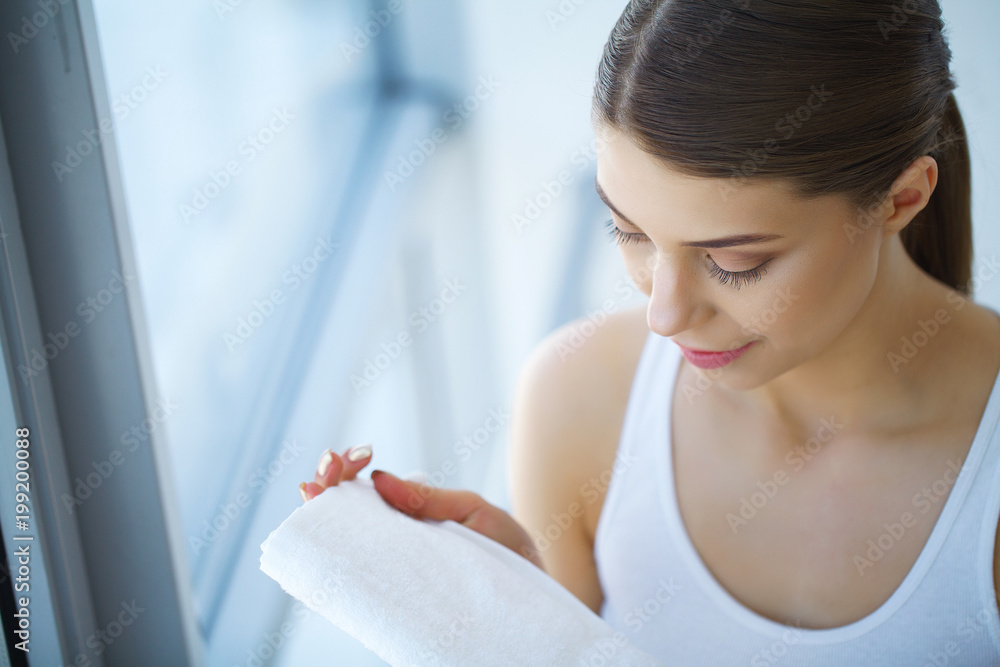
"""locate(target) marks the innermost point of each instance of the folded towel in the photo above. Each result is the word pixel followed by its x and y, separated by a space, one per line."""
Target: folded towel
pixel 422 592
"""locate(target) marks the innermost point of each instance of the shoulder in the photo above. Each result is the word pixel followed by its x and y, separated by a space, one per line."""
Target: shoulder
pixel 584 350
pixel 978 345
pixel 986 345
pixel 568 408
pixel 569 405
pixel 574 378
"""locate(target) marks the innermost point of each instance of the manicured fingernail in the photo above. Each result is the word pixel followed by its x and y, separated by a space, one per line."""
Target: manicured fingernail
pixel 302 490
pixel 324 463
pixel 358 453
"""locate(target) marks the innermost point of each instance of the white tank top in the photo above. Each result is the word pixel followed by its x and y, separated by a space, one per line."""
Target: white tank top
pixel 660 594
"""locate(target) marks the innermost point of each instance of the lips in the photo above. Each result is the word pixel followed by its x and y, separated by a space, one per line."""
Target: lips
pixel 708 359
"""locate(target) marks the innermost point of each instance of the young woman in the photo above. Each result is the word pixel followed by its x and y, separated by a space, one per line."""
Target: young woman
pixel 792 454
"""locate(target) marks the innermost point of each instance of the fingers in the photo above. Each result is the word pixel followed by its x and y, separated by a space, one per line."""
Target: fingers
pixel 425 501
pixel 355 459
pixel 333 469
pixel 310 490
pixel 329 470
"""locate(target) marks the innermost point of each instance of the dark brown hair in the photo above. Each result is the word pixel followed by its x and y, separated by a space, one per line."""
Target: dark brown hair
pixel 831 97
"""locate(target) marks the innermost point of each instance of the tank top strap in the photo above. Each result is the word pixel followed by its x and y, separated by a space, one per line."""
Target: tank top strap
pixel 649 400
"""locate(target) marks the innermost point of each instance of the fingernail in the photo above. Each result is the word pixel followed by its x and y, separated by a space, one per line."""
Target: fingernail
pixel 377 472
pixel 324 463
pixel 302 491
pixel 358 453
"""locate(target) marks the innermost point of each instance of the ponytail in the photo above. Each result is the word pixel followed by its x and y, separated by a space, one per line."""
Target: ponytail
pixel 939 239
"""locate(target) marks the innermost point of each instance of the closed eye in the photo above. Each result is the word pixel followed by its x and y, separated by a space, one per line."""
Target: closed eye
pixel 623 238
pixel 735 278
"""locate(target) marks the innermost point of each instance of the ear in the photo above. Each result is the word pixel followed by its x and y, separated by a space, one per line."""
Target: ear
pixel 910 193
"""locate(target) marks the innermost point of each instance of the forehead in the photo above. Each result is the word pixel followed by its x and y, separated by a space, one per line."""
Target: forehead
pixel 647 191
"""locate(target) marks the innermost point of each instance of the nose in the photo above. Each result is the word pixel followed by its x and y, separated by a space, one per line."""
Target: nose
pixel 674 302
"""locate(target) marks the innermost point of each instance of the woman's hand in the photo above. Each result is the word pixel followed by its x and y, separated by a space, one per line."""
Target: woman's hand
pixel 334 469
pixel 423 501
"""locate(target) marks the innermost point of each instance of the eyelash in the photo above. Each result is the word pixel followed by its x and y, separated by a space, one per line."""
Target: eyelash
pixel 748 277
pixel 737 278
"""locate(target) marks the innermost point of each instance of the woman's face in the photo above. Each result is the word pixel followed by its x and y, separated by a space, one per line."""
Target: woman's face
pixel 792 291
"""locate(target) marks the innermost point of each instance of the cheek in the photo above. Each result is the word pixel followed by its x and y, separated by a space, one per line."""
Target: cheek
pixel 814 299
pixel 841 282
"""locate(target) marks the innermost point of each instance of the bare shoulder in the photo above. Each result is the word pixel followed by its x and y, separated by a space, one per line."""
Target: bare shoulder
pixel 991 342
pixel 980 348
pixel 576 383
pixel 987 346
pixel 568 408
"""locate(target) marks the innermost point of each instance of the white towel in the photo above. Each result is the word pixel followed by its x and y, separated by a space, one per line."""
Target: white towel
pixel 420 592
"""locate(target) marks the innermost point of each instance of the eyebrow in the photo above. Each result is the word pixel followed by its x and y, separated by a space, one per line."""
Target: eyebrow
pixel 724 242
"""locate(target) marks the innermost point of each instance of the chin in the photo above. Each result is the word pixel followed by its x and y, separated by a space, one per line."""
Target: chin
pixel 737 376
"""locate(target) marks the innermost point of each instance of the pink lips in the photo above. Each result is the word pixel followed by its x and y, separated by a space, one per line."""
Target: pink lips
pixel 703 359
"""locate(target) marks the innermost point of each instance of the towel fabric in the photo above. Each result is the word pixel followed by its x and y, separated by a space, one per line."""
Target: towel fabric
pixel 420 592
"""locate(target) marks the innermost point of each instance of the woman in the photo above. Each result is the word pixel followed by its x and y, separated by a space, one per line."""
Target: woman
pixel 792 453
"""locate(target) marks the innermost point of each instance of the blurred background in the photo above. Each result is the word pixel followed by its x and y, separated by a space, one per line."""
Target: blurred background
pixel 422 140
pixel 308 183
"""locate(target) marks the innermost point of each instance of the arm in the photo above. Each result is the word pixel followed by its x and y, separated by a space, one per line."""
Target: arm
pixel 550 453
pixel 568 411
